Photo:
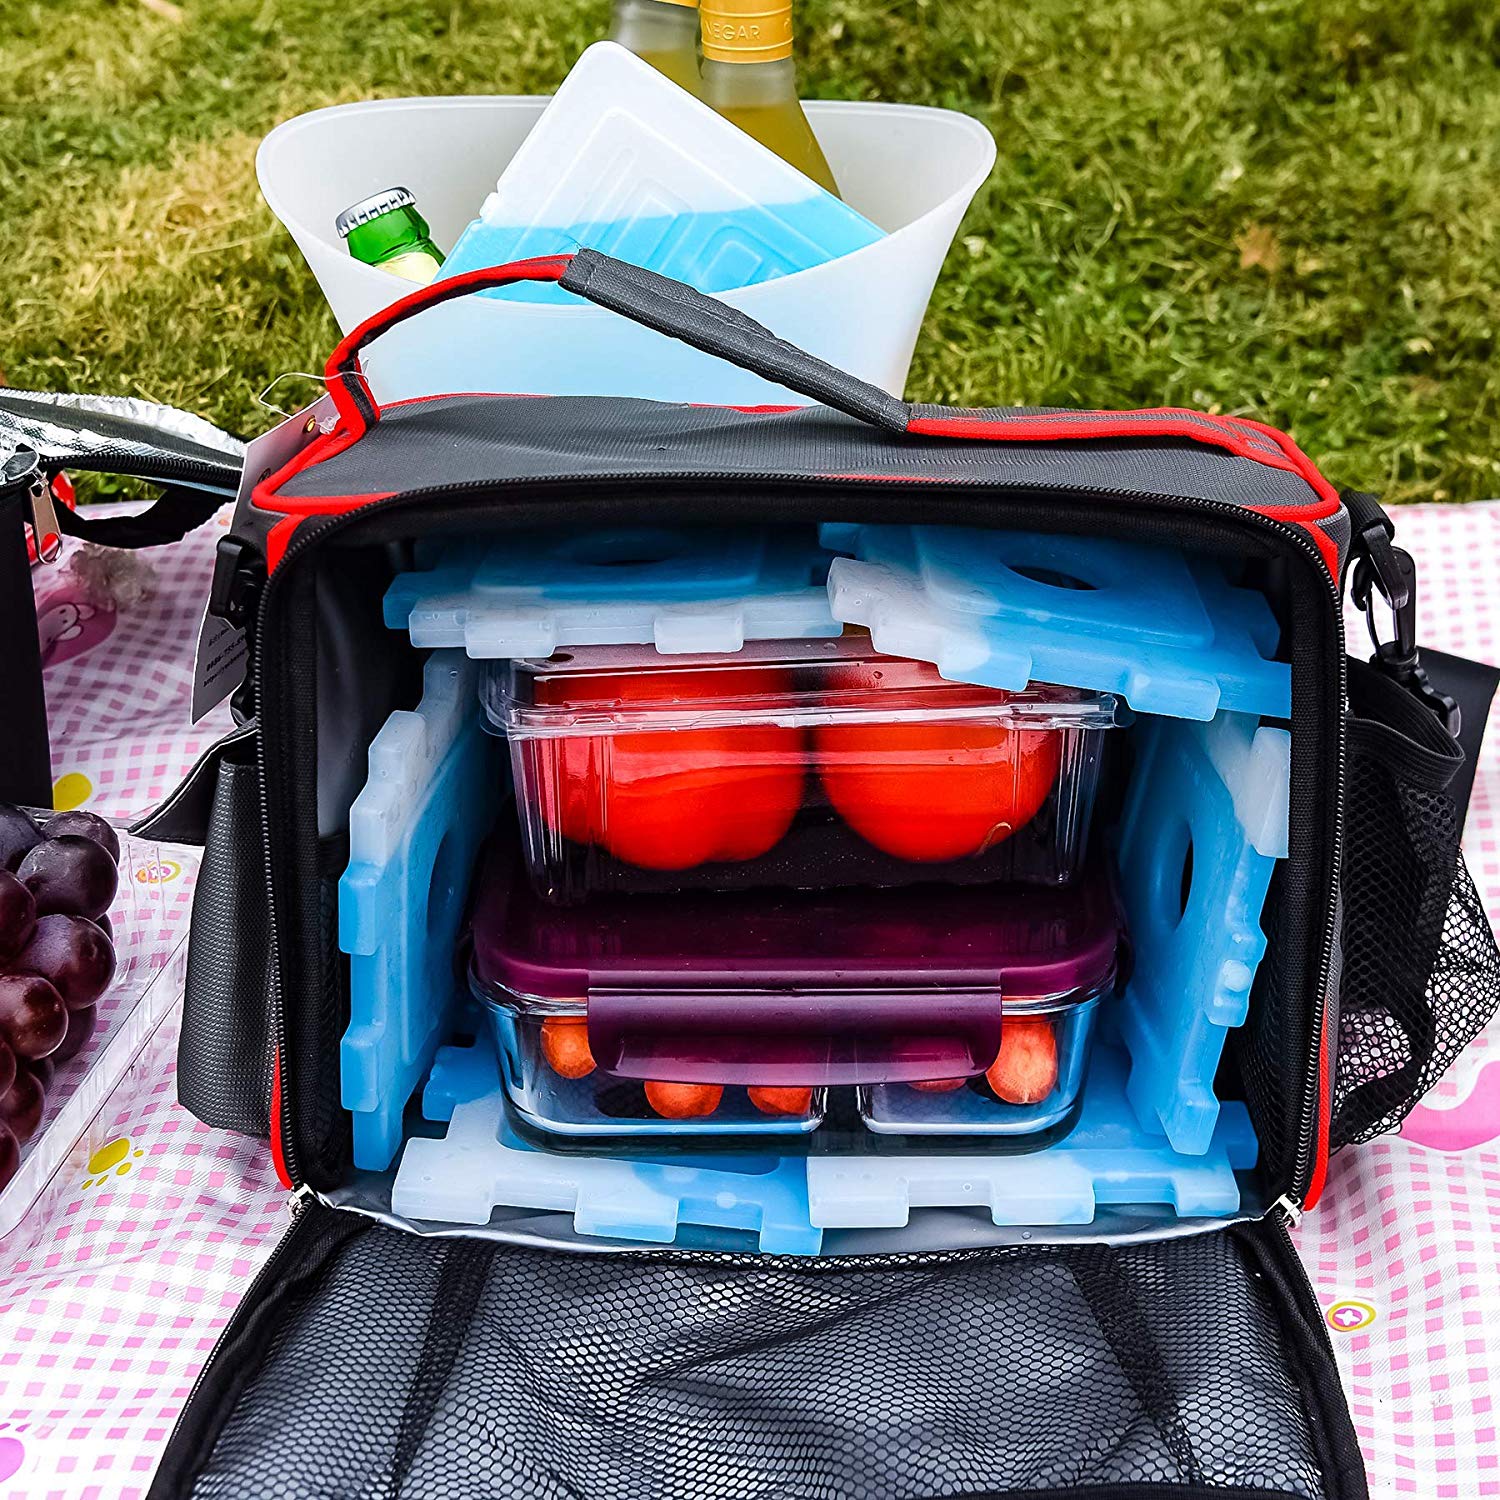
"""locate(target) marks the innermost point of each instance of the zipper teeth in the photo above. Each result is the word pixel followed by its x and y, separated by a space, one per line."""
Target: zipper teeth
pixel 1308 1123
pixel 247 1300
pixel 1299 1273
pixel 222 478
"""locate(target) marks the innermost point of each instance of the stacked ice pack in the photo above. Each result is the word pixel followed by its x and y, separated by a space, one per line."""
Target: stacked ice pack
pixel 799 871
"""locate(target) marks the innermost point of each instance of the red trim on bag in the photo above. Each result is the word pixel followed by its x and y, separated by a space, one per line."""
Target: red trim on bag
pixel 766 408
pixel 461 395
pixel 1294 515
pixel 538 268
pixel 1325 1115
pixel 278 539
pixel 326 446
pixel 278 1160
pixel 754 411
pixel 1230 433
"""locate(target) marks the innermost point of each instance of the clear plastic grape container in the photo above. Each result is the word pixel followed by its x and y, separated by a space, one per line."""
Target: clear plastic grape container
pixel 800 765
pixel 113 995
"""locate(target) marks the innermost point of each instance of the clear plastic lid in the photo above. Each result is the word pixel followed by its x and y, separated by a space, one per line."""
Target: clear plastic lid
pixel 601 690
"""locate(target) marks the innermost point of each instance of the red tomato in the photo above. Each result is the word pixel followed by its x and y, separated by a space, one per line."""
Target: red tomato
pixel 1025 1072
pixel 565 1045
pixel 683 1101
pixel 780 1101
pixel 937 790
pixel 672 799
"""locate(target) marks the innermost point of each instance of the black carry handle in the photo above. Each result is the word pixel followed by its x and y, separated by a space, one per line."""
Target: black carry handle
pixel 654 301
pixel 168 518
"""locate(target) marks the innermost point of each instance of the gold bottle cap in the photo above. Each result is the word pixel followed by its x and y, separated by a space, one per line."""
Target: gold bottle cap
pixel 746 31
pixel 685 4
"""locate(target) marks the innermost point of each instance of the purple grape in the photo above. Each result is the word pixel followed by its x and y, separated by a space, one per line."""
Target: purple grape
pixel 86 825
pixel 10 1157
pixel 18 835
pixel 70 874
pixel 33 1018
pixel 73 955
pixel 17 915
pixel 81 1024
pixel 7 1066
pixel 21 1107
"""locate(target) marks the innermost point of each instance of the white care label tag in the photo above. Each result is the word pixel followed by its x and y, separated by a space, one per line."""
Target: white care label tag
pixel 218 664
pixel 223 647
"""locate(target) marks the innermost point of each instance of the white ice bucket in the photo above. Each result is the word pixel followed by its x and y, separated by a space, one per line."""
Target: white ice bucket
pixel 912 170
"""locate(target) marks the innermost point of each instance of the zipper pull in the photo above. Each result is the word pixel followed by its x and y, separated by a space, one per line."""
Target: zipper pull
pixel 297 1201
pixel 24 467
pixel 44 525
pixel 1289 1209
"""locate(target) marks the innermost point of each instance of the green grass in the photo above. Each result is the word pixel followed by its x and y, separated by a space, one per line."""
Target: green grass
pixel 1283 208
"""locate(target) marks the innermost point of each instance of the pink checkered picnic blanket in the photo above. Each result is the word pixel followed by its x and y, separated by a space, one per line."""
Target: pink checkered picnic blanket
pixel 114 1289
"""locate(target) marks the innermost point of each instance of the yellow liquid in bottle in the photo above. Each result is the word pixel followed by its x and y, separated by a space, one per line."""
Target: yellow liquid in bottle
pixel 749 78
pixel 413 265
pixel 662 33
pixel 768 109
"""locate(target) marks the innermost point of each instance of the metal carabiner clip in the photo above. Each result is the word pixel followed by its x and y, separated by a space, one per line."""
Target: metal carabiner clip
pixel 1390 571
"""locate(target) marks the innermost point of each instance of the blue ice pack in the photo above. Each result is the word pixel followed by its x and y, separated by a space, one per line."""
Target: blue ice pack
pixel 625 162
pixel 480 1164
pixel 414 832
pixel 1205 822
pixel 1003 608
pixel 1108 1157
pixel 679 589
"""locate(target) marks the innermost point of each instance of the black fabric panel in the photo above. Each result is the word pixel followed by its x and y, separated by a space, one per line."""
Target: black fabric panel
pixel 185 814
pixel 474 440
pixel 224 1051
pixel 25 753
pixel 452 1370
pixel 1471 684
pixel 679 312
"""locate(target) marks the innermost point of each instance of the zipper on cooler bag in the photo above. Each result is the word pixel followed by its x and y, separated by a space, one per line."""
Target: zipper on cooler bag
pixel 1310 1160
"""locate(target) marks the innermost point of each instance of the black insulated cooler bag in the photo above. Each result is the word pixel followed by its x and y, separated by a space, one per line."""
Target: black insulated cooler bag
pixel 1139 1354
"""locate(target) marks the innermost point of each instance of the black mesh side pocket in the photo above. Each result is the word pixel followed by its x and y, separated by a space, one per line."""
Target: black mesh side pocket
pixel 223 1056
pixel 1421 972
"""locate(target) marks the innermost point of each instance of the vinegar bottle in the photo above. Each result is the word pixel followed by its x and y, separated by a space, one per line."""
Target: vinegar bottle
pixel 663 33
pixel 750 78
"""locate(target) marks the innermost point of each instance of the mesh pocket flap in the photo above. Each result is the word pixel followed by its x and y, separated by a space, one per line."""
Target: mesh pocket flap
pixel 1421 972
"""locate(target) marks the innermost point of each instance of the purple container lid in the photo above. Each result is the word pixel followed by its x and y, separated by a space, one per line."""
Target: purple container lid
pixel 846 986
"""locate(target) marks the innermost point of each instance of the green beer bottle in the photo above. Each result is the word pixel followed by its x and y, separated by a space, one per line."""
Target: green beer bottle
pixel 663 33
pixel 386 230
